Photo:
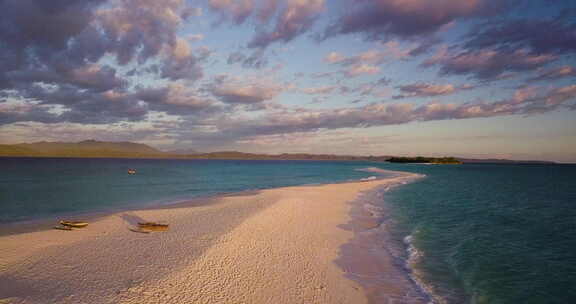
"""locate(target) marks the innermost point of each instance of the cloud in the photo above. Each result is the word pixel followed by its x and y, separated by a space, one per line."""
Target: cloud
pixel 238 11
pixel 70 132
pixel 559 72
pixel 72 35
pixel 91 76
pixel 359 69
pixel 77 55
pixel 141 29
pixel 487 64
pixel 195 37
pixel 180 63
pixel 385 19
pixel 176 98
pixel 334 57
pixel 296 18
pixel 288 19
pixel 67 104
pixel 255 60
pixel 555 35
pixel 378 88
pixel 319 90
pixel 524 102
pixel 368 57
pixel 233 90
pixel 14 112
pixel 429 90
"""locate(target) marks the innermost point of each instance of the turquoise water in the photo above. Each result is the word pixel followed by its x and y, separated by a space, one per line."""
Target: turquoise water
pixel 488 233
pixel 492 233
pixel 34 188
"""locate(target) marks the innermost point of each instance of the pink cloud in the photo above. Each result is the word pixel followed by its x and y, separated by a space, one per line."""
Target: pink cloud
pixel 487 64
pixel 359 69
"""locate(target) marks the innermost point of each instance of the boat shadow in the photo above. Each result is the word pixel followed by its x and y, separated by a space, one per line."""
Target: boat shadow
pixel 132 219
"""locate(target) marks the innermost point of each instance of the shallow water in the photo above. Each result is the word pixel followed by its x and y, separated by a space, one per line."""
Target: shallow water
pixel 33 188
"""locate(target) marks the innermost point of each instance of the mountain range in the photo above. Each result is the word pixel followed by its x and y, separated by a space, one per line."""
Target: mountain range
pixel 103 149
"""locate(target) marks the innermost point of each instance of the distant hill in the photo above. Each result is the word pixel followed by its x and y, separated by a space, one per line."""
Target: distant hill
pixel 104 149
pixel 87 148
pixel 183 152
pixel 15 150
pixel 424 160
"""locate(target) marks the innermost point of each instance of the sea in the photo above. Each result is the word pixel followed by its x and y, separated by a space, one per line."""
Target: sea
pixel 472 233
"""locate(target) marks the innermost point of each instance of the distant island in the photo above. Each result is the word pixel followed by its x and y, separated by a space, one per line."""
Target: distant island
pixel 425 160
pixel 103 149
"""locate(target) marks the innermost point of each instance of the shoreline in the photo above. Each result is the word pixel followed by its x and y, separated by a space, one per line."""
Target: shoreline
pixel 46 222
pixel 373 257
pixel 279 245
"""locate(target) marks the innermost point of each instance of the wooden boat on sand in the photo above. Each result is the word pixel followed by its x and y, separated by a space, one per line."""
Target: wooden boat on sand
pixel 73 224
pixel 153 226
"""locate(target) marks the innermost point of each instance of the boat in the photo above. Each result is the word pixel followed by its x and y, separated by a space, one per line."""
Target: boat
pixel 140 230
pixel 131 171
pixel 153 226
pixel 73 224
pixel 63 228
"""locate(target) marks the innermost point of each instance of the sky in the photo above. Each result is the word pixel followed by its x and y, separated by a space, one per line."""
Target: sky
pixel 467 78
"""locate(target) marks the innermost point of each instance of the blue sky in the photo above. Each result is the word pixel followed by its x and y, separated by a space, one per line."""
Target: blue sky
pixel 473 78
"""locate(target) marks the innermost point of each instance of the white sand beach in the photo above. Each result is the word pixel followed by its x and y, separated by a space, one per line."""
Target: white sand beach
pixel 271 246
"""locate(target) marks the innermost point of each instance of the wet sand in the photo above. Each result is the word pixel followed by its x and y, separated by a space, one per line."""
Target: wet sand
pixel 284 245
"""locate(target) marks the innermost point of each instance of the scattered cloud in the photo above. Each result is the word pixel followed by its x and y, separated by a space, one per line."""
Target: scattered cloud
pixel 386 19
pixel 359 69
pixel 319 90
pixel 287 19
pixel 237 11
pixel 429 90
pixel 487 64
pixel 559 72
pixel 232 90
pixel 302 120
pixel 296 18
pixel 369 57
pixel 255 60
pixel 541 36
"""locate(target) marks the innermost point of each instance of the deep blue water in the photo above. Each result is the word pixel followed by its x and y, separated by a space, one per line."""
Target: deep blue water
pixel 489 233
pixel 493 233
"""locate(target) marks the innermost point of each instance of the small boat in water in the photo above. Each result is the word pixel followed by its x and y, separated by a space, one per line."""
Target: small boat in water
pixel 131 171
pixel 73 224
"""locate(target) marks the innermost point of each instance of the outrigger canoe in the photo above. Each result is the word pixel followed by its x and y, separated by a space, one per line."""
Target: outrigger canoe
pixel 153 226
pixel 73 224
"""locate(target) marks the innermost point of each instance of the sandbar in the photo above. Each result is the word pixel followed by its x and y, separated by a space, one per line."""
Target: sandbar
pixel 283 245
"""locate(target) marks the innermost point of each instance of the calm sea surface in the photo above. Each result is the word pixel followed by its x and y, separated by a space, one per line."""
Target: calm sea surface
pixel 492 233
pixel 35 188
pixel 486 233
